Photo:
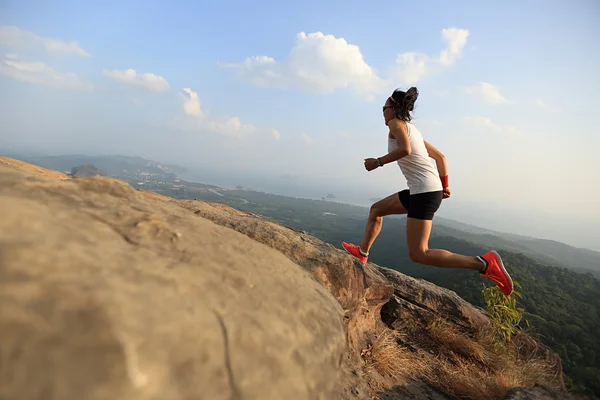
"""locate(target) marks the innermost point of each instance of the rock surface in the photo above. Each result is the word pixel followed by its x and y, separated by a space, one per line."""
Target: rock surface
pixel 118 296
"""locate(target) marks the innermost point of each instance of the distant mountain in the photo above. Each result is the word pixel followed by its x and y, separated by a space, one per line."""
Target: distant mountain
pixel 87 170
pixel 121 167
pixel 549 252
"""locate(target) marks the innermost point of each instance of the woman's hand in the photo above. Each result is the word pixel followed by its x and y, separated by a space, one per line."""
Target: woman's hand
pixel 371 164
pixel 446 193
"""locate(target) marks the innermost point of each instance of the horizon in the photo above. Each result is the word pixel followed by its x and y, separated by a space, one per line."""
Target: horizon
pixel 449 210
pixel 286 92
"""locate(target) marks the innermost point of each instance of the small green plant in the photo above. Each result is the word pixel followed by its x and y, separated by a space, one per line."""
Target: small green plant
pixel 503 312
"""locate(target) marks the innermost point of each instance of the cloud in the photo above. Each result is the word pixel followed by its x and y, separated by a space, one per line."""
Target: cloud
pixel 483 122
pixel 456 40
pixel 487 92
pixel 486 123
pixel 275 134
pixel 307 139
pixel 412 67
pixel 317 63
pixel 38 73
pixel 11 36
pixel 191 104
pixel 229 126
pixel 12 56
pixel 148 81
pixel 321 64
pixel 200 120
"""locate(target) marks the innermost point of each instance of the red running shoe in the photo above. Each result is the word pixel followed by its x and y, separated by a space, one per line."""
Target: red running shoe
pixel 355 251
pixel 497 273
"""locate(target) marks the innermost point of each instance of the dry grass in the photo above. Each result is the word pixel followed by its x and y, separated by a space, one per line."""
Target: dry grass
pixel 461 366
pixel 389 358
pixel 463 379
pixel 447 338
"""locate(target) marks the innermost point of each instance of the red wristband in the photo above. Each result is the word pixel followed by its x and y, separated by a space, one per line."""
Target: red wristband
pixel 444 181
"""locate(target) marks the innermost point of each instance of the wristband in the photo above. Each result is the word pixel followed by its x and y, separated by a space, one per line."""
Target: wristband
pixel 444 180
pixel 379 162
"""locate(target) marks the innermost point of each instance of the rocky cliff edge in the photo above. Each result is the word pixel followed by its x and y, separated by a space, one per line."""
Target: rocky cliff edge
pixel 109 292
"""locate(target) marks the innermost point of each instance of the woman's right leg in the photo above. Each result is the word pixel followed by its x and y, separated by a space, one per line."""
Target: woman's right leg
pixel 388 206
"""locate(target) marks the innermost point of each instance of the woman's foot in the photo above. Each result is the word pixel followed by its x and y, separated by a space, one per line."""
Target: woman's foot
pixel 355 251
pixel 495 271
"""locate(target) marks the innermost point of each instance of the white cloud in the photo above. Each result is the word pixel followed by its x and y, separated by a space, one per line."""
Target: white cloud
pixel 486 123
pixel 412 67
pixel 200 120
pixel 38 73
pixel 229 126
pixel 11 36
pixel 12 56
pixel 275 134
pixel 191 104
pixel 456 40
pixel 317 63
pixel 483 122
pixel 149 81
pixel 307 139
pixel 487 92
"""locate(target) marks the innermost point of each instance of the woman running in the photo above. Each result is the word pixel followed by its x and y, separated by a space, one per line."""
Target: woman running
pixel 426 189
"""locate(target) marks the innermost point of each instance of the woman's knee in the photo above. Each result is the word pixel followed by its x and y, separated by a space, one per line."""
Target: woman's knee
pixel 376 211
pixel 418 255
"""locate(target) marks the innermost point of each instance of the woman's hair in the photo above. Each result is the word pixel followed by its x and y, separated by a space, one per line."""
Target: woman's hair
pixel 404 102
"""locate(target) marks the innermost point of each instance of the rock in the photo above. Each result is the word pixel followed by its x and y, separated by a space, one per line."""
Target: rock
pixel 417 299
pixel 361 291
pixel 98 298
pixel 540 393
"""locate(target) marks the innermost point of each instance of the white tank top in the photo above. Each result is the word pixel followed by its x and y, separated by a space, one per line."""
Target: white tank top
pixel 418 168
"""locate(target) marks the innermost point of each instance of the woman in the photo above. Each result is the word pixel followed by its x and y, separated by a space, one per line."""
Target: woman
pixel 426 189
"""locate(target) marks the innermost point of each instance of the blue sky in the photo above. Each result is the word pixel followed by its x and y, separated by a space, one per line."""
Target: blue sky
pixel 508 90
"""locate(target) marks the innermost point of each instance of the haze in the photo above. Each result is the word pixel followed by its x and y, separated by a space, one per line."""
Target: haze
pixel 287 97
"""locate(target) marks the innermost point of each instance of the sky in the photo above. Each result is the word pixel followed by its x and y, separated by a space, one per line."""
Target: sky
pixel 292 94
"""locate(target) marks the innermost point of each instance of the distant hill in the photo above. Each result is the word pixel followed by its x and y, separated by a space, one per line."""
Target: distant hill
pixel 87 169
pixel 545 251
pixel 122 167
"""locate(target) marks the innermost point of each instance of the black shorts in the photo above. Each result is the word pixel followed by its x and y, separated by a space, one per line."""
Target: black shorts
pixel 421 205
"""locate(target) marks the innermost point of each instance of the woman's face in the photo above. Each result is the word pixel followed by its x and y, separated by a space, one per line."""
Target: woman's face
pixel 388 111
